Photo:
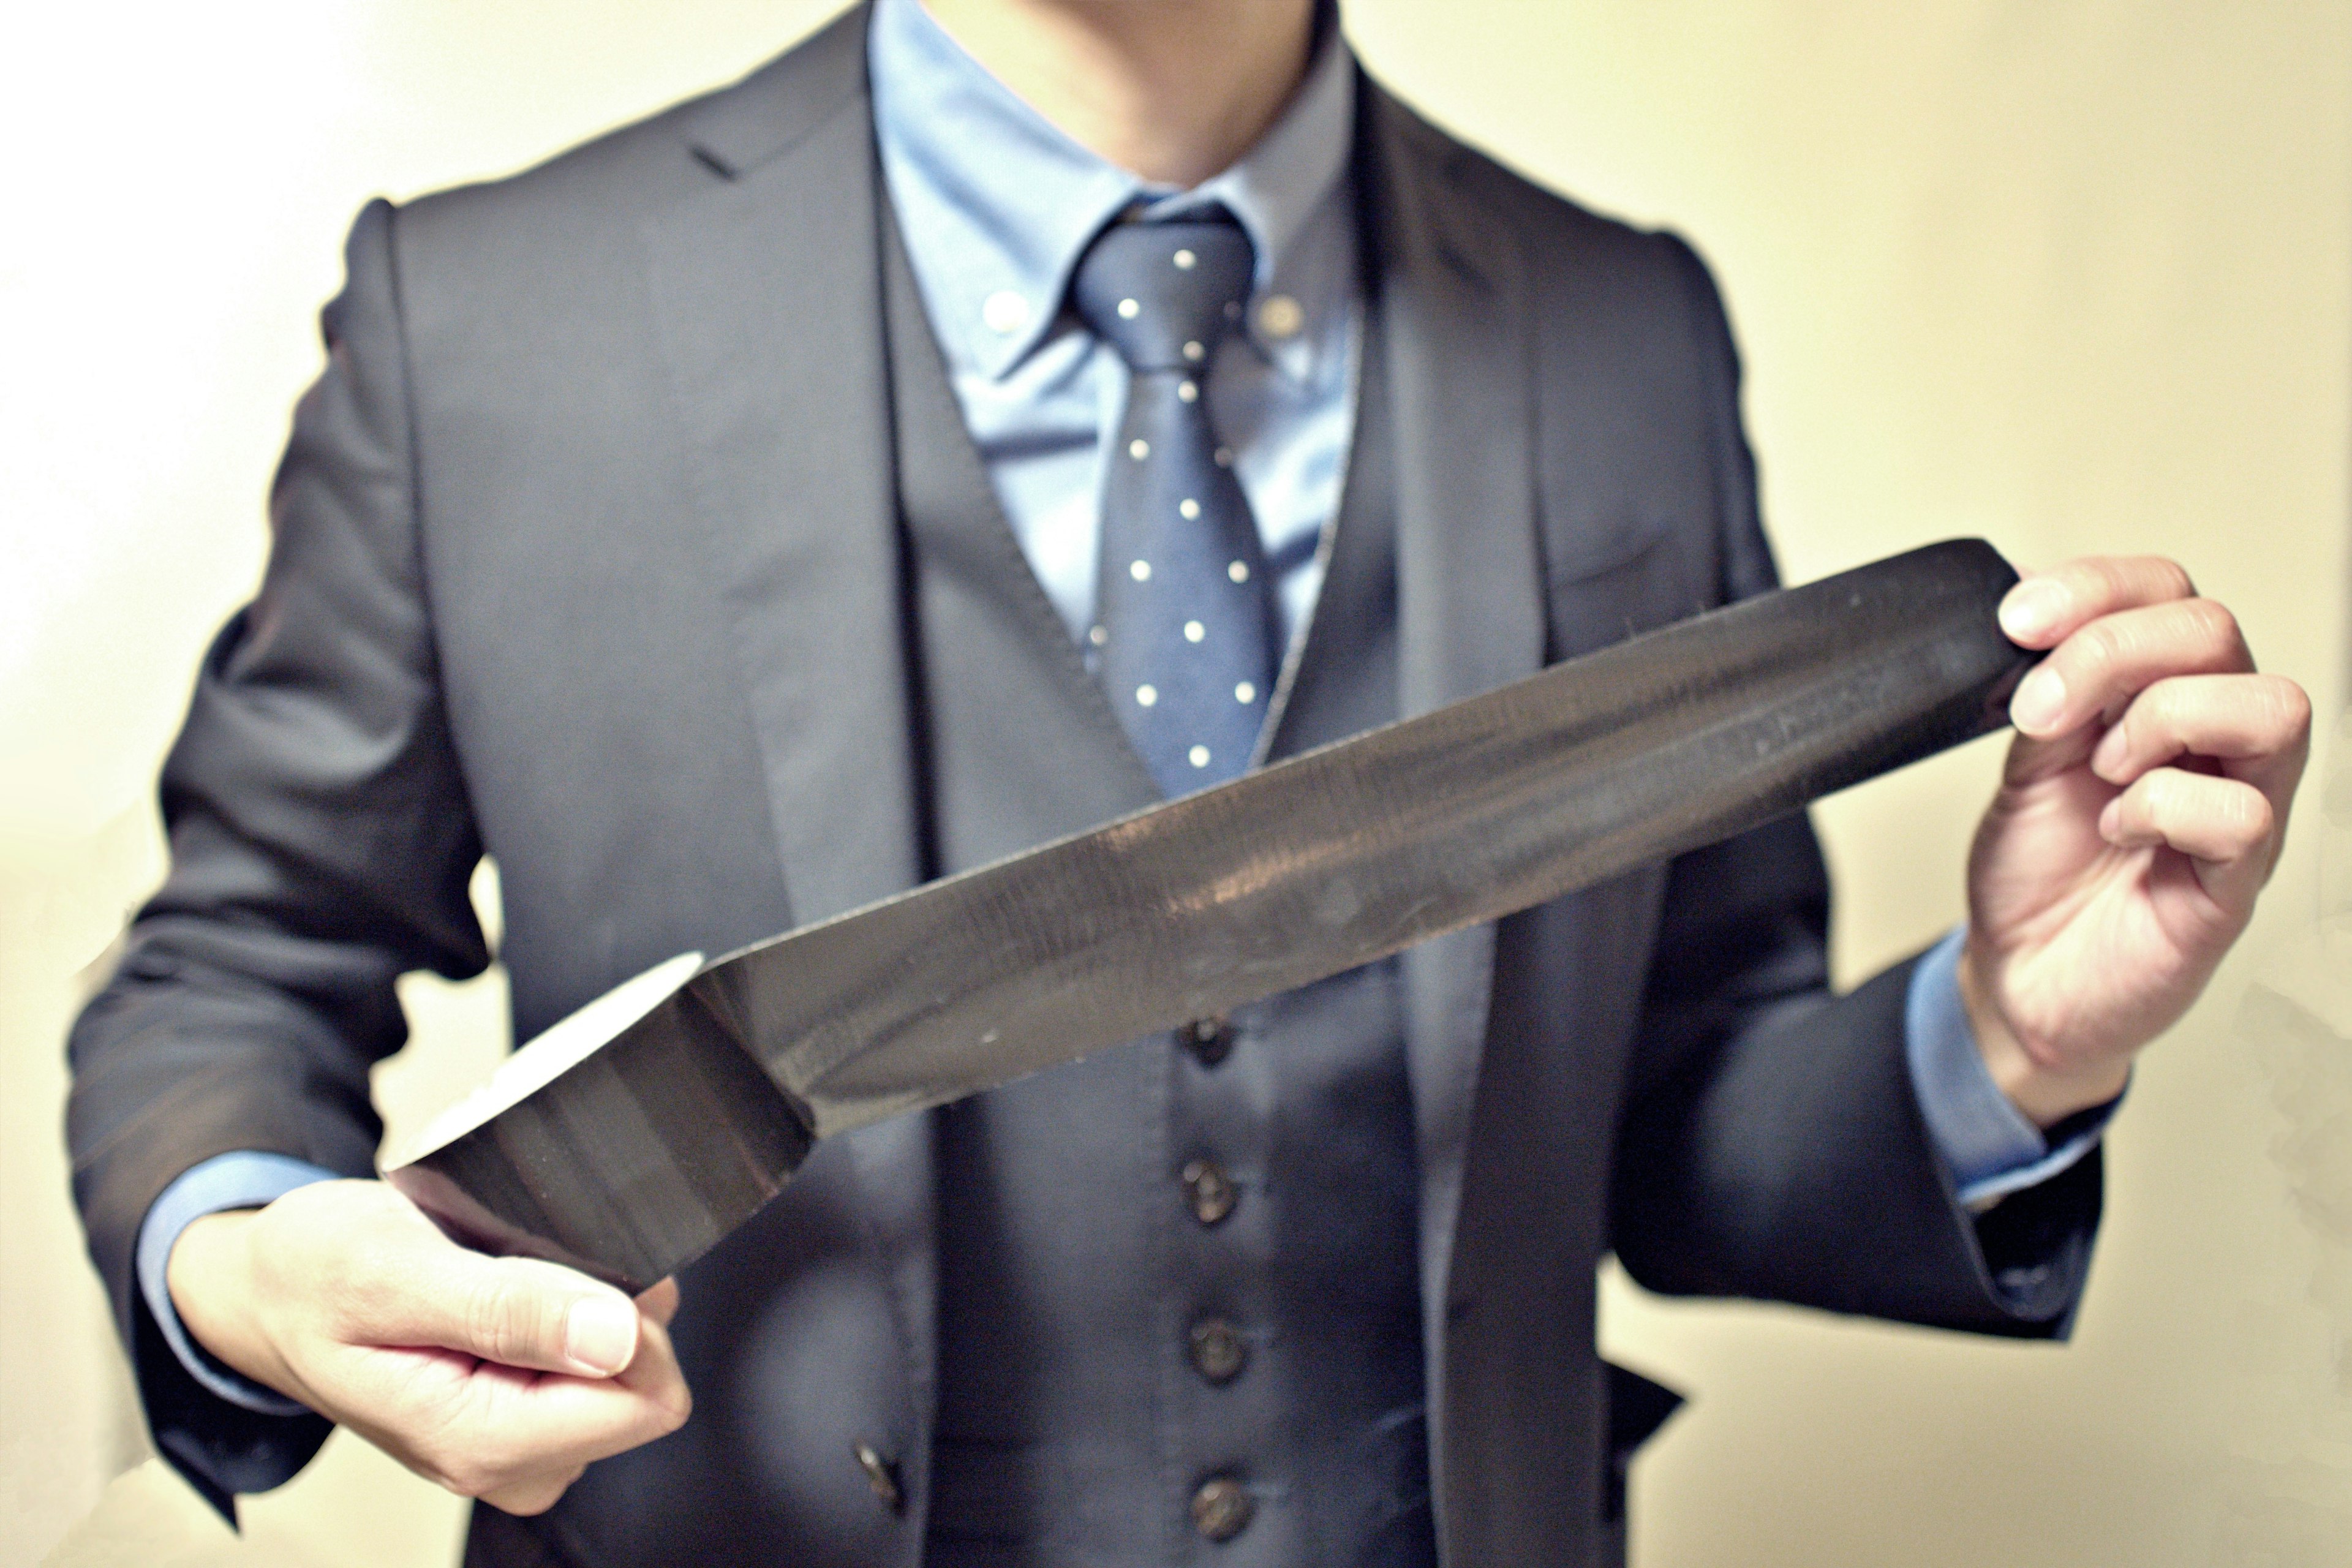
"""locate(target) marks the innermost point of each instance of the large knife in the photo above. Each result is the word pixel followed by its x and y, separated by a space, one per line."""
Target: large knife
pixel 631 1137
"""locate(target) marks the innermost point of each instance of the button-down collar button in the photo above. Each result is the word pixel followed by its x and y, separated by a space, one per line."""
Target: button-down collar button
pixel 1279 317
pixel 1005 312
pixel 1211 1040
pixel 1219 1352
pixel 1222 1509
pixel 1212 1191
pixel 882 1476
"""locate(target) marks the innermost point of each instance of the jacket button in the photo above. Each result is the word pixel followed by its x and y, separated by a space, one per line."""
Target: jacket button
pixel 1219 1352
pixel 1211 1040
pixel 882 1476
pixel 1220 1508
pixel 1212 1191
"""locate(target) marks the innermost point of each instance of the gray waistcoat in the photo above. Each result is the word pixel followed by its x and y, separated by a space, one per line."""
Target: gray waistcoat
pixel 1178 1309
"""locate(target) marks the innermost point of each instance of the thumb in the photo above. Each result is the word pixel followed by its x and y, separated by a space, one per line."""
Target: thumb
pixel 522 1312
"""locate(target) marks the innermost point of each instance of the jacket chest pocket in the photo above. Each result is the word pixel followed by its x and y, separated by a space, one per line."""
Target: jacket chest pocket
pixel 1608 585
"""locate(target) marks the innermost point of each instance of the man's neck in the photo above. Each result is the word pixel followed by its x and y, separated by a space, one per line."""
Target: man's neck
pixel 1174 90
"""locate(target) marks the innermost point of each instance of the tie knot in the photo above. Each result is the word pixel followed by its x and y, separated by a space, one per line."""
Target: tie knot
pixel 1163 294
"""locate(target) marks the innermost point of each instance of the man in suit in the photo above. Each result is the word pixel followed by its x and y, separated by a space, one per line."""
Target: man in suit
pixel 769 506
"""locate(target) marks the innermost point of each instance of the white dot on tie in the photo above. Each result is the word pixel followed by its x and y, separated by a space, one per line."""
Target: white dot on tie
pixel 1238 571
pixel 1232 310
pixel 1129 310
pixel 1246 692
pixel 1195 352
pixel 1141 570
pixel 1278 316
pixel 1188 508
pixel 1098 634
pixel 1186 391
pixel 1138 448
pixel 1194 631
pixel 1225 456
pixel 1005 312
pixel 1200 755
pixel 1145 696
pixel 1184 260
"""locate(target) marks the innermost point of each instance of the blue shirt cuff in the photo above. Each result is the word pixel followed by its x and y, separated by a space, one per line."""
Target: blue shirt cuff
pixel 242 1180
pixel 1990 1146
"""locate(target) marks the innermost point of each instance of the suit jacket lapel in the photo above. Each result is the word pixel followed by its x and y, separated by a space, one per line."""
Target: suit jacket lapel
pixel 766 287
pixel 1450 289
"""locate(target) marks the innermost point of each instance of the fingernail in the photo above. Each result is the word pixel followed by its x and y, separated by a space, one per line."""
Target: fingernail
pixel 600 1334
pixel 2040 699
pixel 2032 608
pixel 2107 757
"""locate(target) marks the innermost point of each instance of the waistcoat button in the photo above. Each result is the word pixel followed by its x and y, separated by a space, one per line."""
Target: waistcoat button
pixel 1219 1352
pixel 1212 1191
pixel 882 1476
pixel 1220 1508
pixel 1211 1040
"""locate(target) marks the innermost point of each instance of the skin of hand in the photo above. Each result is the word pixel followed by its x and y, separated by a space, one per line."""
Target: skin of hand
pixel 500 1378
pixel 2142 807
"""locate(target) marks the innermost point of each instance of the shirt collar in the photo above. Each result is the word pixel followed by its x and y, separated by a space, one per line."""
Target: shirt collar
pixel 996 203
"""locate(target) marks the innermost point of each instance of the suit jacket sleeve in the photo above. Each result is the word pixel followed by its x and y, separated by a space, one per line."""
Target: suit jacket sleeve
pixel 1772 1144
pixel 321 847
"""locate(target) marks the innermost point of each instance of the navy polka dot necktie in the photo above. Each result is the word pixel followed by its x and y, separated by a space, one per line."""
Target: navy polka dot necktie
pixel 1184 616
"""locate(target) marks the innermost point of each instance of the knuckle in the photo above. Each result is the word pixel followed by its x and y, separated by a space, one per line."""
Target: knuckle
pixel 2212 622
pixel 2289 704
pixel 2250 814
pixel 497 1459
pixel 2094 650
pixel 482 1310
pixel 468 1482
pixel 501 1318
pixel 2167 577
pixel 534 1494
pixel 465 1474
pixel 672 1407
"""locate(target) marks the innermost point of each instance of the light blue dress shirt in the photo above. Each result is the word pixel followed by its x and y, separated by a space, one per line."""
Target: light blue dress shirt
pixel 996 206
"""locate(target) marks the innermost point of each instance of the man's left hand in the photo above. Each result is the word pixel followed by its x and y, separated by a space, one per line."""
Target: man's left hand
pixel 2142 808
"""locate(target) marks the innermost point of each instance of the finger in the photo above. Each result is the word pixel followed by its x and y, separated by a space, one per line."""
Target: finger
pixel 516 1311
pixel 534 1494
pixel 499 1429
pixel 2223 825
pixel 2103 665
pixel 659 1301
pixel 2258 727
pixel 655 1376
pixel 2046 607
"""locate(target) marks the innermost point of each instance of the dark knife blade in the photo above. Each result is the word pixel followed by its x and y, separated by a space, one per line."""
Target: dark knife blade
pixel 629 1138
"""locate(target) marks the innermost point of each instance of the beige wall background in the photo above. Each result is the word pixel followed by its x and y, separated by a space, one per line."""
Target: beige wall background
pixel 2071 274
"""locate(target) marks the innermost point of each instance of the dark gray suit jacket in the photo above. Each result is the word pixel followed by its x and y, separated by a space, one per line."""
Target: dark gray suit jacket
pixel 586 556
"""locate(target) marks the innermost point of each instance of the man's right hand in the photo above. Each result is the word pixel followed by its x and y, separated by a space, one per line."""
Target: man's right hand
pixel 500 1378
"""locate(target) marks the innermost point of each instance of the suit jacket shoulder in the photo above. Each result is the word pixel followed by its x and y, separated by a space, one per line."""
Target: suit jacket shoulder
pixel 584 200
